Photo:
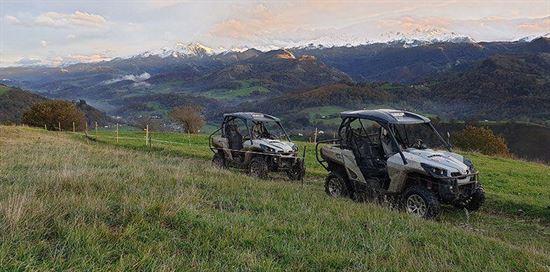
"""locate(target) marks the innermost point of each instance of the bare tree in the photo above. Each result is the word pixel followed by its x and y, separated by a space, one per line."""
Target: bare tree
pixel 189 117
pixel 148 121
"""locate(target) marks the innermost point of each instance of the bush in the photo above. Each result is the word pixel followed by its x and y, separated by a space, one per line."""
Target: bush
pixel 482 140
pixel 54 113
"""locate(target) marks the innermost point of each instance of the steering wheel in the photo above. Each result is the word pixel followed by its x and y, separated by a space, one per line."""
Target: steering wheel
pixel 419 144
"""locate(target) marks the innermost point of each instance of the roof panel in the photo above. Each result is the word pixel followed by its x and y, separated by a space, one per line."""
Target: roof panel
pixel 255 116
pixel 388 116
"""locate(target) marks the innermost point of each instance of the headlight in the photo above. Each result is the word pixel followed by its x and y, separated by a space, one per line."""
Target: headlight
pixel 470 165
pixel 267 148
pixel 434 171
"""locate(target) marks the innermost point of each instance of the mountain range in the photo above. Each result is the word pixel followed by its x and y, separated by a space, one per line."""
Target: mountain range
pixel 456 79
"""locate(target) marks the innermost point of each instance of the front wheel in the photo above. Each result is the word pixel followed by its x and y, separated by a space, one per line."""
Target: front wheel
pixel 476 200
pixel 297 172
pixel 335 186
pixel 258 168
pixel 218 160
pixel 420 202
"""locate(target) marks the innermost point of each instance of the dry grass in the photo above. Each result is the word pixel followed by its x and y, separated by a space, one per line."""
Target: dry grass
pixel 66 204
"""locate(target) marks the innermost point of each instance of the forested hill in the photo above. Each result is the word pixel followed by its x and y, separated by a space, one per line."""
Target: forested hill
pixel 502 87
pixel 14 102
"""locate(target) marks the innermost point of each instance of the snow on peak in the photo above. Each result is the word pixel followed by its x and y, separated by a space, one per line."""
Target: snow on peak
pixel 534 37
pixel 180 50
pixel 423 36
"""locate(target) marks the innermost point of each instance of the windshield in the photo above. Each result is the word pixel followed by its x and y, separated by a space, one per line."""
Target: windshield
pixel 268 130
pixel 419 136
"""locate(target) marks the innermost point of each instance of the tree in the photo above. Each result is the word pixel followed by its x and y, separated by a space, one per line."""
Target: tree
pixel 147 121
pixel 189 117
pixel 54 113
pixel 482 140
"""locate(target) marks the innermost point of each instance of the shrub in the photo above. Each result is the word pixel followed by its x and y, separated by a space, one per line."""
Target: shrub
pixel 189 117
pixel 482 140
pixel 54 113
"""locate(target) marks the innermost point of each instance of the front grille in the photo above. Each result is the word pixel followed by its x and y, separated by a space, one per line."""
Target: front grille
pixel 456 174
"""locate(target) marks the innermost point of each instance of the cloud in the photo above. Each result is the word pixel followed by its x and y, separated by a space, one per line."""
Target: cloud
pixel 135 78
pixel 43 43
pixel 78 18
pixel 537 26
pixel 60 20
pixel 12 20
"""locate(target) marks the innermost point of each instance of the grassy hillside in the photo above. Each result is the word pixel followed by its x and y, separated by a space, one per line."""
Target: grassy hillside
pixel 69 204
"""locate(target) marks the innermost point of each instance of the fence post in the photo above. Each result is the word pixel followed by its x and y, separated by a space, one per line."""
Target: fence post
pixel 59 126
pixel 189 137
pixel 96 130
pixel 315 136
pixel 146 135
pixel 74 130
pixel 117 133
pixel 45 127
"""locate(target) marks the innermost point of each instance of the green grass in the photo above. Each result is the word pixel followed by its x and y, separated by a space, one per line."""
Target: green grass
pixel 229 94
pixel 70 204
pixel 3 89
pixel 246 89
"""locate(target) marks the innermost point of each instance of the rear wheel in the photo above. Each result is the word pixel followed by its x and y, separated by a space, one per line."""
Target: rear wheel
pixel 335 186
pixel 218 160
pixel 258 168
pixel 418 201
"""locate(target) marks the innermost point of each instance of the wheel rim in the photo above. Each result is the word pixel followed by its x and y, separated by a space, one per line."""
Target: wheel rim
pixel 416 205
pixel 255 169
pixel 334 187
pixel 218 162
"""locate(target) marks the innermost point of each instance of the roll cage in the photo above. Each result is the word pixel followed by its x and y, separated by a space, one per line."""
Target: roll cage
pixel 249 119
pixel 386 119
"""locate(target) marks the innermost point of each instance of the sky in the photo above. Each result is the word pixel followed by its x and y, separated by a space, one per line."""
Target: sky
pixel 57 32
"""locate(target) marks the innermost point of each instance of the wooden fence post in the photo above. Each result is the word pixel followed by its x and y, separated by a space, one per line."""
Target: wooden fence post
pixel 315 136
pixel 96 130
pixel 45 127
pixel 117 133
pixel 146 135
pixel 74 129
pixel 59 124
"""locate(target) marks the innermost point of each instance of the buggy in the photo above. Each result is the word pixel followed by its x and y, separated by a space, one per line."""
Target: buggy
pixel 258 143
pixel 383 155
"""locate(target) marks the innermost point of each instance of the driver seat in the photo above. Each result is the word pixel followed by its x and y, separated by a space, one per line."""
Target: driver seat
pixel 368 157
pixel 234 138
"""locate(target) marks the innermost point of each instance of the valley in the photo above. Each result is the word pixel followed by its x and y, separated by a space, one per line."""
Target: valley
pixel 308 86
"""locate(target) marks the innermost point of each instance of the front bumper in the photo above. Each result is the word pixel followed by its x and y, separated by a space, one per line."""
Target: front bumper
pixel 458 188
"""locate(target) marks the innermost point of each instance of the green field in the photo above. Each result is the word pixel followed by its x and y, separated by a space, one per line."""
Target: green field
pixel 71 204
pixel 3 89
pixel 246 89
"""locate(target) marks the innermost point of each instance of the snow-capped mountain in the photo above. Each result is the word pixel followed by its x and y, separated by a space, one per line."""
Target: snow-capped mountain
pixel 534 37
pixel 180 50
pixel 423 36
